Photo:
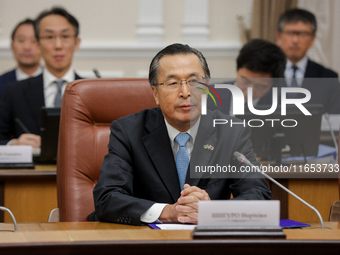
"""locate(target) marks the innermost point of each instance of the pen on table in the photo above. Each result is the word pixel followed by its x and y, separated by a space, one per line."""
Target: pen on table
pixel 24 128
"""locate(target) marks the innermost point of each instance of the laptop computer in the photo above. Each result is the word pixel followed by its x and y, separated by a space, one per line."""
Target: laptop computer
pixel 49 132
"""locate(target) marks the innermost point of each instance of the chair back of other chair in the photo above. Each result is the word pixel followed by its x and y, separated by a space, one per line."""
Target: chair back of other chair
pixel 88 108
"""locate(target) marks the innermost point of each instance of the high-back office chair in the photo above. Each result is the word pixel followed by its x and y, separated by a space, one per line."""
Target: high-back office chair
pixel 88 108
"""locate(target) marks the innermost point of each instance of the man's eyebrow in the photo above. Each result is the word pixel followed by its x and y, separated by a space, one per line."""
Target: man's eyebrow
pixel 246 79
pixel 47 30
pixel 175 76
pixel 170 76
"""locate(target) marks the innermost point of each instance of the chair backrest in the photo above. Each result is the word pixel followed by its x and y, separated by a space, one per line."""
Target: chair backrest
pixel 88 108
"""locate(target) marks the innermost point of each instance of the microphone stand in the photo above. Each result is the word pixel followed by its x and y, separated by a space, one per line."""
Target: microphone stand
pixel 240 157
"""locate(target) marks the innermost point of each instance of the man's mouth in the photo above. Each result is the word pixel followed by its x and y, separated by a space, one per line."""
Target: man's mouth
pixel 187 106
pixel 58 57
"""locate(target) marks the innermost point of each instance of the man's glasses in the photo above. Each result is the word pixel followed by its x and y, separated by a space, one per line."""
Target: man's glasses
pixel 51 39
pixel 175 84
pixel 301 34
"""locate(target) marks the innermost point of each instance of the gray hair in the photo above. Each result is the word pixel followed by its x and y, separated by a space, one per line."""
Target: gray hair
pixel 296 15
pixel 175 49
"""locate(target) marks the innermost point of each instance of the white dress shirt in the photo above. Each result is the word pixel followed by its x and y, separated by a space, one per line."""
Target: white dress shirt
pixel 153 213
pixel 20 75
pixel 300 72
pixel 51 88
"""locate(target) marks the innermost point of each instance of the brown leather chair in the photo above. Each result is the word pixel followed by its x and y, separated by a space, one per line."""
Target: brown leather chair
pixel 88 108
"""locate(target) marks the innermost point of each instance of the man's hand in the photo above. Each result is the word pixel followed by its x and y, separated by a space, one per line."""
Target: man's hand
pixel 28 139
pixel 187 204
pixel 185 210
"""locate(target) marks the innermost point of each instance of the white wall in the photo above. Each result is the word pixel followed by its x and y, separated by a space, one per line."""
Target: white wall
pixel 108 29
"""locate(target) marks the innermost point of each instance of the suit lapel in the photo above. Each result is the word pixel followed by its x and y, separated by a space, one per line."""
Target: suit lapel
pixel 158 146
pixel 77 77
pixel 309 73
pixel 200 156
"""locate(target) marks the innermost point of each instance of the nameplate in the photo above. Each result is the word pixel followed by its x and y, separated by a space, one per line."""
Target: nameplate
pixel 15 154
pixel 239 213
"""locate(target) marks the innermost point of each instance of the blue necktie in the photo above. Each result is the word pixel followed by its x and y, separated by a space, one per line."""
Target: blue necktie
pixel 294 82
pixel 58 97
pixel 182 158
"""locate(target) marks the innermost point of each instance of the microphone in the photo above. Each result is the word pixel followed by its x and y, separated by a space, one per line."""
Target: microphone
pixel 96 72
pixel 2 208
pixel 326 114
pixel 240 157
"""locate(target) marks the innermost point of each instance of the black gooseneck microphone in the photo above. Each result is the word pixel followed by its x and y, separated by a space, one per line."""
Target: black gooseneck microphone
pixel 240 157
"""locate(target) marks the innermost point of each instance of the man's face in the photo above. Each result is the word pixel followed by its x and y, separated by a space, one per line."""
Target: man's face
pixel 295 40
pixel 260 82
pixel 180 107
pixel 58 43
pixel 25 47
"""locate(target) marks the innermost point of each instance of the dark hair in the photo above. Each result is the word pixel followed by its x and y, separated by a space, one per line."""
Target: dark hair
pixel 261 56
pixel 175 49
pixel 56 11
pixel 24 22
pixel 296 15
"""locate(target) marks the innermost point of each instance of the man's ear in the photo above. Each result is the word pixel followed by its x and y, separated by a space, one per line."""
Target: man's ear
pixel 313 40
pixel 278 38
pixel 155 94
pixel 77 44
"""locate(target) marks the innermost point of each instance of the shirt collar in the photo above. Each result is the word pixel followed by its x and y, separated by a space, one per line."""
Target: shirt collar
pixel 302 64
pixel 173 132
pixel 20 75
pixel 50 78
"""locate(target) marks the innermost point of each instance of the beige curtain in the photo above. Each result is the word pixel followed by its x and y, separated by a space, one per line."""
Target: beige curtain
pixel 266 14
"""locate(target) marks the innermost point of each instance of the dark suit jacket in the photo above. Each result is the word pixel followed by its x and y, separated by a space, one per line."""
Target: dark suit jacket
pixel 315 70
pixel 6 79
pixel 23 100
pixel 324 86
pixel 140 169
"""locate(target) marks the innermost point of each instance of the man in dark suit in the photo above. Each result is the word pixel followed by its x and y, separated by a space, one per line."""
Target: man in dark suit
pixel 26 53
pixel 259 65
pixel 144 177
pixel 57 33
pixel 296 34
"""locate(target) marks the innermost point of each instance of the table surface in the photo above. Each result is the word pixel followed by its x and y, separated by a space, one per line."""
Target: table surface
pixel 95 237
pixel 39 170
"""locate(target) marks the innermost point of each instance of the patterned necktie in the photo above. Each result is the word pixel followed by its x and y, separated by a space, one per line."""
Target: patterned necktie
pixel 294 82
pixel 58 96
pixel 182 158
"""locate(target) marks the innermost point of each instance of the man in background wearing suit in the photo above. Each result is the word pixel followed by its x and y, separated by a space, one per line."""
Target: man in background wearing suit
pixel 26 53
pixel 296 34
pixel 259 63
pixel 57 32
pixel 144 177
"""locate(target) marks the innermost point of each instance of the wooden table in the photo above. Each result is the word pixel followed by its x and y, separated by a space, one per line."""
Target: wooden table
pixel 30 194
pixel 321 191
pixel 105 238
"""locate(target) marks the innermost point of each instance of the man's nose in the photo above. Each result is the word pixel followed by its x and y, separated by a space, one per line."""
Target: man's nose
pixel 185 89
pixel 58 42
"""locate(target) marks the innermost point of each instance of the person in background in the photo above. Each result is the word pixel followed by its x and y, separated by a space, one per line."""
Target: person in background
pixel 57 32
pixel 259 63
pixel 26 53
pixel 296 33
